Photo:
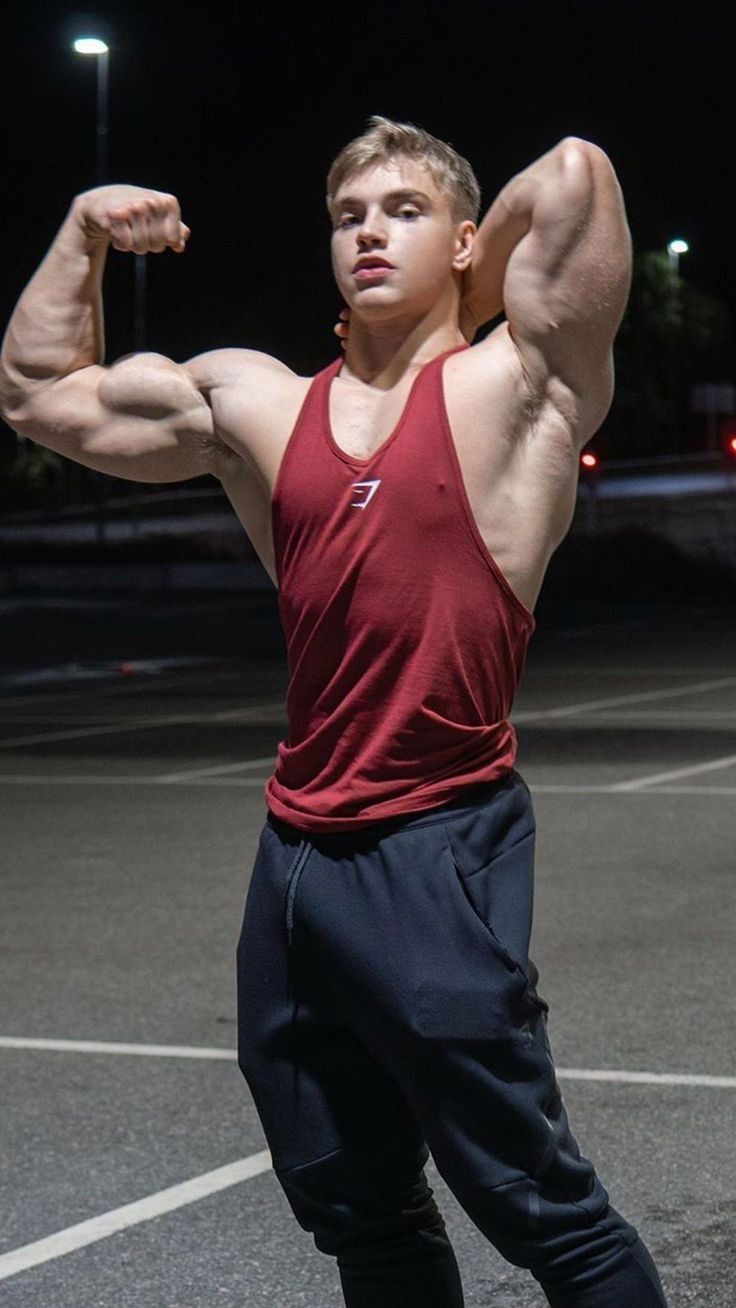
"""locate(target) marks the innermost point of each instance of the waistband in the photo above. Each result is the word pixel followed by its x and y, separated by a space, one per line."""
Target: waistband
pixel 474 797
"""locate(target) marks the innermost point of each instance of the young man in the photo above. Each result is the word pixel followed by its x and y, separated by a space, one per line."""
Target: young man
pixel 406 501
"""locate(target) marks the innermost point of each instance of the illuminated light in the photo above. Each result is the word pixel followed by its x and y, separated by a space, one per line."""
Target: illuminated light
pixel 732 445
pixel 678 247
pixel 90 45
pixel 589 460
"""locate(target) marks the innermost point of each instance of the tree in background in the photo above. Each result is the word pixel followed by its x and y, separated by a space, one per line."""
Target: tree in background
pixel 30 475
pixel 672 336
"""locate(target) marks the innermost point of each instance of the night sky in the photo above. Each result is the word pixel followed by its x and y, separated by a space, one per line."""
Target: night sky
pixel 240 111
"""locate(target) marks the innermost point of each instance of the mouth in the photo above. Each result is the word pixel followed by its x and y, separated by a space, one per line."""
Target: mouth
pixel 369 263
pixel 372 268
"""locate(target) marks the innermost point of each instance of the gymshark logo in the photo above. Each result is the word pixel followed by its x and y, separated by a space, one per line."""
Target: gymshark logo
pixel 371 487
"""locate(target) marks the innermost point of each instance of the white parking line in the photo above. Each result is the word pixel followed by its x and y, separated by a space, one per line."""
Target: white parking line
pixel 659 778
pixel 111 1047
pixel 170 777
pixel 641 697
pixel 272 710
pixel 71 779
pixel 256 783
pixel 622 789
pixel 125 688
pixel 120 1219
pixel 142 1210
pixel 647 1078
pixel 206 1053
pixel 681 717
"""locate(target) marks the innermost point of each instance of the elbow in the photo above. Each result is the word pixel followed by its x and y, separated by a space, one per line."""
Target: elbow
pixel 572 147
pixel 578 155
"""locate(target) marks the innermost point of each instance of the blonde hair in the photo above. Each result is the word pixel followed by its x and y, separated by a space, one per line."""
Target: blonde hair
pixel 387 140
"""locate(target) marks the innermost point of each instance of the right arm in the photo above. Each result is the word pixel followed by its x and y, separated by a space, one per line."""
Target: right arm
pixel 144 418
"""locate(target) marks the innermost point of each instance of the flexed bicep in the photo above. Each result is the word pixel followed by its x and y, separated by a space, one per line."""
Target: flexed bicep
pixel 142 419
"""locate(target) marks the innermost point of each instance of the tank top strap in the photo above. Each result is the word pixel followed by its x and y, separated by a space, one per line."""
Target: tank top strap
pixel 315 397
pixel 431 374
pixel 426 429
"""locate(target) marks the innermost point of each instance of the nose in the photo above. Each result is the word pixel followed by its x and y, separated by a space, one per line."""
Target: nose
pixel 372 230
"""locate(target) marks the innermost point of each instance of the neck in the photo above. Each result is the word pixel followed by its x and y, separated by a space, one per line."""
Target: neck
pixel 383 351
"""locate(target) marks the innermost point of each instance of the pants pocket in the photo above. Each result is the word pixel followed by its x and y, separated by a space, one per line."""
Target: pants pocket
pixel 500 894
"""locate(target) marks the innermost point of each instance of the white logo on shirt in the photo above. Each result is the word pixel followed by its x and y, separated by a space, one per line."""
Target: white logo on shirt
pixel 371 487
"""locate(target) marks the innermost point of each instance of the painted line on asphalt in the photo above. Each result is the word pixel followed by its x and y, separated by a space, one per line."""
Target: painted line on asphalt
pixel 272 710
pixel 647 1078
pixel 641 697
pixel 256 712
pixel 168 778
pixel 655 778
pixel 124 688
pixel 141 1210
pixel 114 1047
pixel 656 715
pixel 619 671
pixel 619 789
pixel 681 717
pixel 229 1055
pixel 11 779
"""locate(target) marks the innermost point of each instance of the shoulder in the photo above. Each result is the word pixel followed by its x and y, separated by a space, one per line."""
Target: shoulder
pixel 236 367
pixel 255 400
pixel 246 386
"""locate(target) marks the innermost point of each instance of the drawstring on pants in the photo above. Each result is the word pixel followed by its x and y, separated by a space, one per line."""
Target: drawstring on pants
pixel 292 882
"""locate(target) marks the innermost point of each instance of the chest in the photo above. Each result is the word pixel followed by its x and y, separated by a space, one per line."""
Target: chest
pixel 361 419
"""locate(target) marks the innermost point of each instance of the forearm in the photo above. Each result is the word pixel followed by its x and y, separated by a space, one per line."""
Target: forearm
pixel 505 224
pixel 57 325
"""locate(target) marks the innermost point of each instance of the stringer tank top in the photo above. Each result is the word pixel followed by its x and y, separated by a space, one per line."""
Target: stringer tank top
pixel 405 643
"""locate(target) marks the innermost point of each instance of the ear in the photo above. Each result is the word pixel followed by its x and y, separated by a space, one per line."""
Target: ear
pixel 464 240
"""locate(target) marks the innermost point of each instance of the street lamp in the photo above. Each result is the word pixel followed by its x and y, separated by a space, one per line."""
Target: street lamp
pixel 92 45
pixel 674 250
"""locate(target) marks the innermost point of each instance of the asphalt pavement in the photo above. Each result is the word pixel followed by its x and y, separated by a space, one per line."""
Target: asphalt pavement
pixel 136 734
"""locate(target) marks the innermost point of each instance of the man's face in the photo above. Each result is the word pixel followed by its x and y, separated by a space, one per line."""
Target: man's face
pixel 394 242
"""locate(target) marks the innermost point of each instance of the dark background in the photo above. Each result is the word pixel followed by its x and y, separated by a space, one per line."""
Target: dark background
pixel 239 110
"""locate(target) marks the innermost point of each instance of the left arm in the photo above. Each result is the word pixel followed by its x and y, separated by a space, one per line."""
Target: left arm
pixel 554 252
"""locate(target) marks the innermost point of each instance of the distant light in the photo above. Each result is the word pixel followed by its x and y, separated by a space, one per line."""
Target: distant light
pixel 678 247
pixel 90 45
pixel 589 460
pixel 732 445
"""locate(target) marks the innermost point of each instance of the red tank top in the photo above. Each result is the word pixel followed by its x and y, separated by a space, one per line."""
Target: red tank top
pixel 405 642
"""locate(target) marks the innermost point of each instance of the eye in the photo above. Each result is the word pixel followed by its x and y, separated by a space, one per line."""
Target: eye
pixel 346 219
pixel 408 211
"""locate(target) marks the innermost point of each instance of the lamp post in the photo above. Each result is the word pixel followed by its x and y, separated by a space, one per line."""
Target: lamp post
pixel 674 250
pixel 92 45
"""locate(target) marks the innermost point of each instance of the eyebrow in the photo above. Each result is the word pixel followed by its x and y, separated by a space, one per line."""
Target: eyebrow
pixel 405 193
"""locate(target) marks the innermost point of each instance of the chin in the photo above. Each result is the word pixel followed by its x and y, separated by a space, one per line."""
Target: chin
pixel 377 299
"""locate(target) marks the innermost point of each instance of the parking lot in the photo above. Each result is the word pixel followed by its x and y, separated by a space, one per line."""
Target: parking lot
pixel 136 739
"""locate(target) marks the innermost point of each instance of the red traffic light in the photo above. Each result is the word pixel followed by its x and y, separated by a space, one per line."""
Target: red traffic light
pixel 731 446
pixel 589 460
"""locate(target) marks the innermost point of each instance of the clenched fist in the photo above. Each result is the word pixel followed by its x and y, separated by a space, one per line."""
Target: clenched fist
pixel 132 218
